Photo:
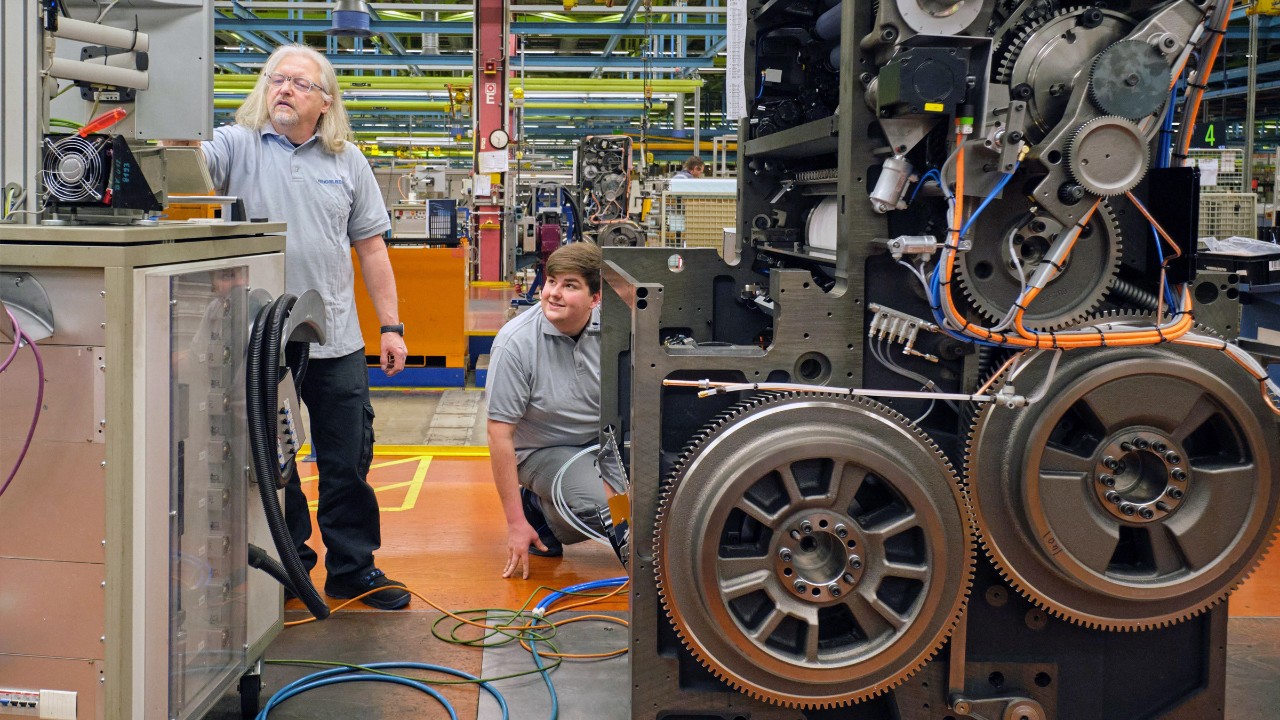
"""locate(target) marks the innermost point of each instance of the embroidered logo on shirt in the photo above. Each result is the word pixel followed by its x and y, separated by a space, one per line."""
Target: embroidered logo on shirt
pixel 329 181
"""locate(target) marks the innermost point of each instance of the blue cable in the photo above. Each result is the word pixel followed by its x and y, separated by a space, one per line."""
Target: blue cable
pixel 546 602
pixel 1004 180
pixel 570 215
pixel 935 278
pixel 1168 291
pixel 919 184
pixel 540 609
pixel 1164 158
pixel 344 675
pixel 546 678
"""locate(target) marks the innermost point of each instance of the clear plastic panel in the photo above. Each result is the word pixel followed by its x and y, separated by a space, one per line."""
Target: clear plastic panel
pixel 209 451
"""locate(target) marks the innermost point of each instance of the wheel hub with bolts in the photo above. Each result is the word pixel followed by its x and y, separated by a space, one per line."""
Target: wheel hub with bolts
pixel 820 557
pixel 1141 476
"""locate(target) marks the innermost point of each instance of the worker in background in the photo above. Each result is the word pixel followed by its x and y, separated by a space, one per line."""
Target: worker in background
pixel 289 159
pixel 693 168
pixel 544 409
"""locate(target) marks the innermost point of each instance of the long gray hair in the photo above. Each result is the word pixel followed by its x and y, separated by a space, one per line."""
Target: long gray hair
pixel 333 127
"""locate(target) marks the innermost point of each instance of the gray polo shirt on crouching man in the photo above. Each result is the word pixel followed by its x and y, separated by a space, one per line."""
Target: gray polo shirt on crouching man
pixel 545 383
pixel 328 201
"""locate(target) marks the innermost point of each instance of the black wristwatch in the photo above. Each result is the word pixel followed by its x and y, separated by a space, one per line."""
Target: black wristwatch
pixel 397 329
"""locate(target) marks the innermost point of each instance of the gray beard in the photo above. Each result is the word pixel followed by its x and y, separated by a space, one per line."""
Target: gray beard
pixel 284 117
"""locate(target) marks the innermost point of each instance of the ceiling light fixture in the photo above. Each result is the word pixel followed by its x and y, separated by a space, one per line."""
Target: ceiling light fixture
pixel 350 19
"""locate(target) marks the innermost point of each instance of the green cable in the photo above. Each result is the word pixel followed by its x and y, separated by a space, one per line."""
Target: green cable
pixel 59 122
pixel 505 615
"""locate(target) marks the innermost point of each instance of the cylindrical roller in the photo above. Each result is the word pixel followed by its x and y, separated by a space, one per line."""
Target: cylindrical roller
pixel 97 34
pixel 820 231
pixel 828 25
pixel 98 73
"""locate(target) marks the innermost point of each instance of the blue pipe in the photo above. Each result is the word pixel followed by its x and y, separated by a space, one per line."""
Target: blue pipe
pixel 344 675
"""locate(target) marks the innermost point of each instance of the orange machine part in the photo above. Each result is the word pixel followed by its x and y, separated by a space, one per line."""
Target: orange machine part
pixel 431 287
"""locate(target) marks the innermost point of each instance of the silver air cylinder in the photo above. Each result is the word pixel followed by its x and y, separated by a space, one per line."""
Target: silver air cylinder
pixel 892 185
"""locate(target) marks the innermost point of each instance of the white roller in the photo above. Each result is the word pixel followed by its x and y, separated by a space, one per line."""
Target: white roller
pixel 98 73
pixel 87 32
pixel 820 231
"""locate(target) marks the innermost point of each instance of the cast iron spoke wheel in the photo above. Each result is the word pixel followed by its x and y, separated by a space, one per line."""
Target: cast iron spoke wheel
pixel 1138 493
pixel 813 550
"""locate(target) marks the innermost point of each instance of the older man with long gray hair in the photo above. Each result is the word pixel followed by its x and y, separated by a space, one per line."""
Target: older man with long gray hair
pixel 289 158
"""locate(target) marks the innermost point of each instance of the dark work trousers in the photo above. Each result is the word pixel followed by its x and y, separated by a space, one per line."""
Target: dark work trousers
pixel 336 393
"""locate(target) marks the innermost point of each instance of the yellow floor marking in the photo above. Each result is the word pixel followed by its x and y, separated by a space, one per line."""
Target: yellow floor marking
pixel 375 466
pixel 419 450
pixel 414 485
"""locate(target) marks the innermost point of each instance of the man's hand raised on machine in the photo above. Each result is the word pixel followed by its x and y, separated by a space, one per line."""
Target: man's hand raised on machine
pixel 520 535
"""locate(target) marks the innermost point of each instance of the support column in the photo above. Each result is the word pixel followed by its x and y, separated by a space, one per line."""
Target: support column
pixel 1250 112
pixel 697 120
pixel 489 98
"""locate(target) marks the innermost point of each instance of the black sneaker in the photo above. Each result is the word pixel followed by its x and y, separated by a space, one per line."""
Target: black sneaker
pixel 394 598
pixel 532 506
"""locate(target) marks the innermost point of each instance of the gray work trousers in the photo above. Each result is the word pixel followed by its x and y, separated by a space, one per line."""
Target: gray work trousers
pixel 582 489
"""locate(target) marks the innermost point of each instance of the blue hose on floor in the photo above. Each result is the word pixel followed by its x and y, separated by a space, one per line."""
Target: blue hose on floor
pixel 345 675
pixel 547 601
pixel 541 608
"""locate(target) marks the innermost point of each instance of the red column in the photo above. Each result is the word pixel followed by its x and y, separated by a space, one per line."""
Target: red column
pixel 489 98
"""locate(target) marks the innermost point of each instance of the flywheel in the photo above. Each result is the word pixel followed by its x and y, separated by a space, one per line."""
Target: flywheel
pixel 1139 492
pixel 813 550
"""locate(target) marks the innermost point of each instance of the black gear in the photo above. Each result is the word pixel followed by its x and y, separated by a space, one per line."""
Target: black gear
pixel 1129 79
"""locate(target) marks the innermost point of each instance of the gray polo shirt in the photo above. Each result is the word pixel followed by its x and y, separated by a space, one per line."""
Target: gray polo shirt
pixel 545 383
pixel 328 201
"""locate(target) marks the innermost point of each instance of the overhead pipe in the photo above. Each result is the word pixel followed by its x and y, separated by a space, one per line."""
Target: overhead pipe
pixel 384 82
pixel 279 5
pixel 444 105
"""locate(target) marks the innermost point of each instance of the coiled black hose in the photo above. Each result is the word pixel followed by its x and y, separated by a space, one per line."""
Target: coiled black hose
pixel 262 385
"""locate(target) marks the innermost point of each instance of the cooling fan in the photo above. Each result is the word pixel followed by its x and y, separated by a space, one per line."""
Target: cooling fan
pixel 94 171
pixel 76 169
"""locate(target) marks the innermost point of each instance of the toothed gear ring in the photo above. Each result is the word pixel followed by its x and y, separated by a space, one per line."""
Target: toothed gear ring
pixel 1047 56
pixel 1137 494
pixel 813 550
pixel 1130 79
pixel 1009 231
pixel 1108 156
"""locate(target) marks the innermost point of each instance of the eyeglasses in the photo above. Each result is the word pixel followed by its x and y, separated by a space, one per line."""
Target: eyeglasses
pixel 300 84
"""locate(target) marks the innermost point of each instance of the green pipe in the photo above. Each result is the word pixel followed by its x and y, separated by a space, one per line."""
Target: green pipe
pixel 443 105
pixel 230 83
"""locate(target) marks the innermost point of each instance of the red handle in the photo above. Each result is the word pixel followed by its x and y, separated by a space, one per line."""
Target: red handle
pixel 102 122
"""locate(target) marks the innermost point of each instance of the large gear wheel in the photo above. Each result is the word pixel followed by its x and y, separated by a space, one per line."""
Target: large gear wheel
pixel 1139 492
pixel 1050 57
pixel 1108 156
pixel 813 550
pixel 990 277
pixel 620 234
pixel 1129 79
